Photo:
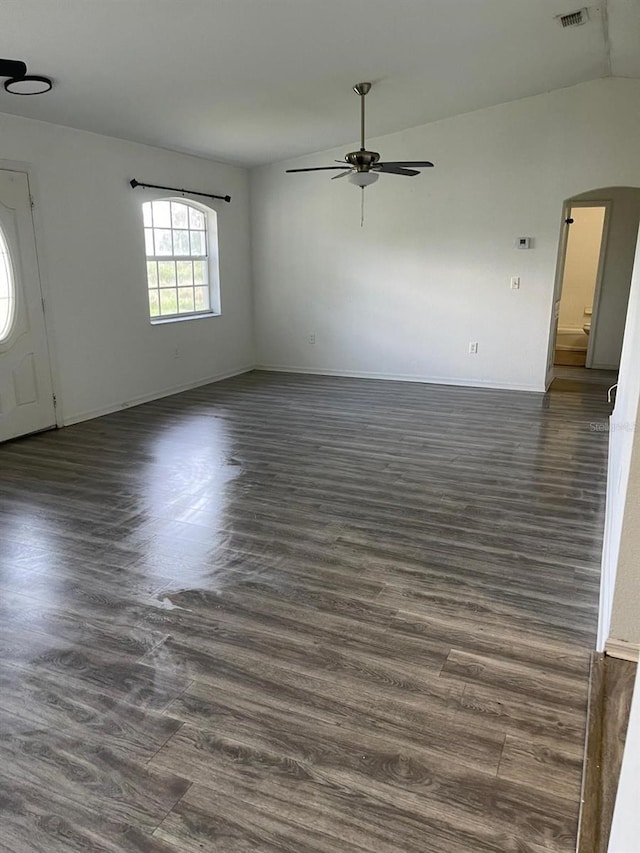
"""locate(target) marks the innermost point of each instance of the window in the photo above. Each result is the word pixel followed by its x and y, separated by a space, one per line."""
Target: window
pixel 182 259
pixel 7 290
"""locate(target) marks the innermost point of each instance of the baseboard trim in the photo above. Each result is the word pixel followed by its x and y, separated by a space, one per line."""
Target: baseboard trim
pixel 402 377
pixel 157 395
pixel 622 650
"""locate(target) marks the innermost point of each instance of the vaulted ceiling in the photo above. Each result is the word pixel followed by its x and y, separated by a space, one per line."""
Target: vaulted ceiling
pixel 254 81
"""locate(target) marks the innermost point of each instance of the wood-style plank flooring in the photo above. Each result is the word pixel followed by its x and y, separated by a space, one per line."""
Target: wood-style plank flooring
pixel 297 614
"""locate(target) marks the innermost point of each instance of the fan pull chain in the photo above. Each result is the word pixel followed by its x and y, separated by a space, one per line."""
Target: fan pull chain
pixel 362 209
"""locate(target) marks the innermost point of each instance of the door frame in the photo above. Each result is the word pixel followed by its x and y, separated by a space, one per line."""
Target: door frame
pixel 565 227
pixel 29 171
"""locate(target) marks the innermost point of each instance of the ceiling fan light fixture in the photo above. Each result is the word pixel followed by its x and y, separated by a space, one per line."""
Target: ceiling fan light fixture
pixel 30 84
pixel 363 179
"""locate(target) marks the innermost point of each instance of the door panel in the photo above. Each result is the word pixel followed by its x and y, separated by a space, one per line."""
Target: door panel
pixel 26 395
pixel 557 293
pixel 554 335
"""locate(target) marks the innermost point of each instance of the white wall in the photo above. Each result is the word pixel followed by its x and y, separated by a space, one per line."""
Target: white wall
pixel 430 270
pixel 620 581
pixel 620 617
pixel 625 619
pixel 91 249
pixel 623 577
pixel 622 229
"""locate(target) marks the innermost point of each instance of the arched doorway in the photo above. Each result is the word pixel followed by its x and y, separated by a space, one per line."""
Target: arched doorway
pixel 599 230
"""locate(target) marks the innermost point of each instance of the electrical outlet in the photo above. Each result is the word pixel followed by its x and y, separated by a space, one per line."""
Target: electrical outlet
pixel 312 338
pixel 176 353
pixel 515 282
pixel 473 347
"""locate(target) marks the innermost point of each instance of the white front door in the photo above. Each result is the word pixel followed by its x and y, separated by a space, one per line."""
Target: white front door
pixel 26 394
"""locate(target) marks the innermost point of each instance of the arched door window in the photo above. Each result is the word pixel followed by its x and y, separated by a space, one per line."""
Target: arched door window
pixel 7 290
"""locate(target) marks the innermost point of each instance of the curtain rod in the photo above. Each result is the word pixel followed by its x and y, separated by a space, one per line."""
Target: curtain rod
pixel 135 184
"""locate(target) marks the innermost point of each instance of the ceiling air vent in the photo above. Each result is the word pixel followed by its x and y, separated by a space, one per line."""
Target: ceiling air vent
pixel 574 19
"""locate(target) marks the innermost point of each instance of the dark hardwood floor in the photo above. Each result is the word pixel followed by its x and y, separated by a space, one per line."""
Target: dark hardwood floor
pixel 296 614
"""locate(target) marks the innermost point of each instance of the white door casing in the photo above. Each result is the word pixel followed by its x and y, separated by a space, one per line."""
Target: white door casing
pixel 26 393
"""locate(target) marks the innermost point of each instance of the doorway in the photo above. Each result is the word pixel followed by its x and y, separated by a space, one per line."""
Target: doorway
pixel 596 253
pixel 581 279
pixel 26 396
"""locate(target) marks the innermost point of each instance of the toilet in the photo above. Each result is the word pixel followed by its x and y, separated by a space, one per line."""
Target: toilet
pixel 586 326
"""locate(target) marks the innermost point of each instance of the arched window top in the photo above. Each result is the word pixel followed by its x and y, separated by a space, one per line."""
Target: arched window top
pixel 7 290
pixel 178 240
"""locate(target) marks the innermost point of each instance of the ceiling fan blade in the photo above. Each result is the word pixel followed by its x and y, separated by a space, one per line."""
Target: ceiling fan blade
pixel 342 174
pixel 392 169
pixel 419 164
pixel 317 169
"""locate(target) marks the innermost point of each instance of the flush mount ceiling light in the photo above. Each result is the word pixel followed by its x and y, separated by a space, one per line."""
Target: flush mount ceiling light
pixel 21 83
pixel 30 84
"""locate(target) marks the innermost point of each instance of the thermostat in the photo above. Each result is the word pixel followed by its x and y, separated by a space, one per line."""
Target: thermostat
pixel 524 243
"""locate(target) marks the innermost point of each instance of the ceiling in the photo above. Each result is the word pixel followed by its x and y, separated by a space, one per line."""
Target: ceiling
pixel 256 81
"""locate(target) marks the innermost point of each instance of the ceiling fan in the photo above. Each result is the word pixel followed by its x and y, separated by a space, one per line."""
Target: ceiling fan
pixel 364 167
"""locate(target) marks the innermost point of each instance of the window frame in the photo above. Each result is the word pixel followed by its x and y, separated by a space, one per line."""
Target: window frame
pixel 211 258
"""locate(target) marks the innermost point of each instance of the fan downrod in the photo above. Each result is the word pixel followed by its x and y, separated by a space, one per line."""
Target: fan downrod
pixel 362 89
